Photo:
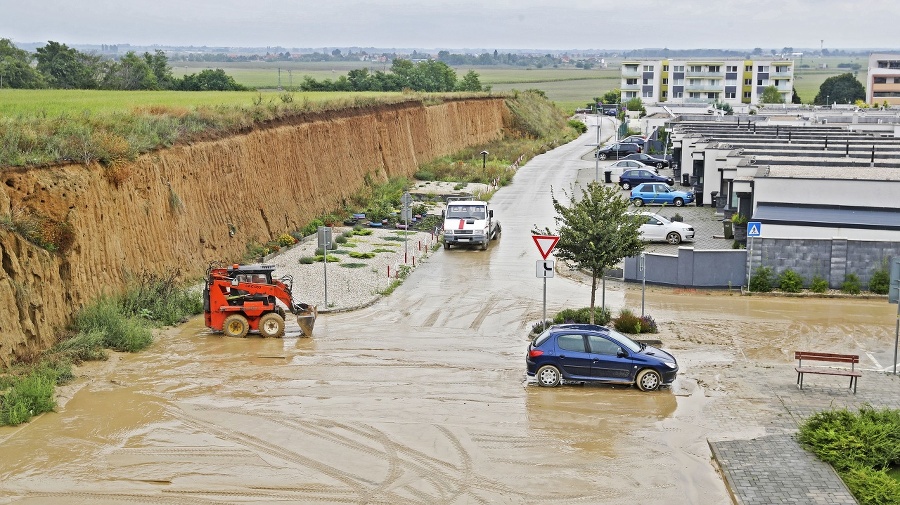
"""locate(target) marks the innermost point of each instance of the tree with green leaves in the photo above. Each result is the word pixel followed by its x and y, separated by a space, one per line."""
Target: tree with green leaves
pixel 611 96
pixel 596 231
pixel 469 82
pixel 64 67
pixel 15 68
pixel 770 94
pixel 844 88
pixel 131 72
pixel 209 80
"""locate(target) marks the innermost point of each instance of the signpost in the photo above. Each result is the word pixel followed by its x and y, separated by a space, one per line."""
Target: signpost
pixel 544 268
pixel 324 243
pixel 894 297
pixel 754 229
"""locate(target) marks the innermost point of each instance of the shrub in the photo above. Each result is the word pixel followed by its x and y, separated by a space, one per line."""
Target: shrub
pixel 285 240
pixel 84 346
pixel 851 285
pixel 307 260
pixel 790 281
pixel 761 280
pixel 818 284
pixel 577 125
pixel 648 325
pixel 880 282
pixel 361 255
pixel 627 322
pixel 160 298
pixel 29 396
pixel 120 332
pixel 582 316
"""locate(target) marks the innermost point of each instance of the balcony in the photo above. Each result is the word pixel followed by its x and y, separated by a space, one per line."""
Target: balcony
pixel 631 86
pixel 702 87
pixel 631 72
pixel 720 74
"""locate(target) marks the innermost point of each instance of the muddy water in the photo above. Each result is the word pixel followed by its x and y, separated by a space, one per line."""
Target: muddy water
pixel 421 398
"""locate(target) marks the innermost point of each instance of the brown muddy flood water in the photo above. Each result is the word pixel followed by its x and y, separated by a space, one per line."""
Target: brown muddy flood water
pixel 422 398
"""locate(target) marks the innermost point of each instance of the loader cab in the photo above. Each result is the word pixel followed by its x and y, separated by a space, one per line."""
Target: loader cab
pixel 257 273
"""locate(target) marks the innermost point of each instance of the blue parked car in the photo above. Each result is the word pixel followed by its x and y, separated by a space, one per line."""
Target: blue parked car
pixel 657 192
pixel 592 353
pixel 631 178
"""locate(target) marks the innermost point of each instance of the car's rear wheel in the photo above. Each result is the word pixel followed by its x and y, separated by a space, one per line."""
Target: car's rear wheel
pixel 626 185
pixel 601 156
pixel 678 202
pixel 638 202
pixel 648 380
pixel 659 165
pixel 548 376
pixel 673 238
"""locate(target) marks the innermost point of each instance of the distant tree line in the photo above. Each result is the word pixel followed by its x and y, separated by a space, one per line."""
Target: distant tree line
pixel 428 75
pixel 58 66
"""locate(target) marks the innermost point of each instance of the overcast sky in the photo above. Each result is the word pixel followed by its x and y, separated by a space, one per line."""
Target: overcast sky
pixel 459 24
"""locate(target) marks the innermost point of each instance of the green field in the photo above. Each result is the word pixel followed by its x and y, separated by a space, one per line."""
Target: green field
pixel 568 87
pixel 56 102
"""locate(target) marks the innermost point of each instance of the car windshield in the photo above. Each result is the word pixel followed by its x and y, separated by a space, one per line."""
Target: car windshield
pixel 465 212
pixel 625 342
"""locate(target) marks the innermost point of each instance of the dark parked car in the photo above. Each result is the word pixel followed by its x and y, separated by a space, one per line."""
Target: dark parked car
pixel 592 353
pixel 634 139
pixel 631 178
pixel 646 159
pixel 617 150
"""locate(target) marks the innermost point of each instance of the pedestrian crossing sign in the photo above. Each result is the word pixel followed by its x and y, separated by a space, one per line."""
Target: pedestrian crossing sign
pixel 754 229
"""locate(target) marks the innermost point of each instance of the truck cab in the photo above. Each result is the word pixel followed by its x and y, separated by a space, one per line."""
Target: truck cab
pixel 468 223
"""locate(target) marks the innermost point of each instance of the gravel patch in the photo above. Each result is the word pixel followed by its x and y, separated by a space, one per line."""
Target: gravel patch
pixel 352 287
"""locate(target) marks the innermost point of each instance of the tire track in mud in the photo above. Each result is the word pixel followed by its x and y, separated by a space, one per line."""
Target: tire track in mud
pixel 257 444
pixel 99 498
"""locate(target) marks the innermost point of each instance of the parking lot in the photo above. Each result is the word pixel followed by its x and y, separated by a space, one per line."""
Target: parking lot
pixel 708 228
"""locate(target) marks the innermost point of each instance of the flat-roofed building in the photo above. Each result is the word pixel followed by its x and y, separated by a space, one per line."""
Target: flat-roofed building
pixel 709 81
pixel 883 80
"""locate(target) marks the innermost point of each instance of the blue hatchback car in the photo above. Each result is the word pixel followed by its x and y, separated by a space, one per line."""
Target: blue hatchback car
pixel 592 353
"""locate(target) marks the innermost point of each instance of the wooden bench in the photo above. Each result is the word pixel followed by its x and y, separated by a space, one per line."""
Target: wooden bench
pixel 853 359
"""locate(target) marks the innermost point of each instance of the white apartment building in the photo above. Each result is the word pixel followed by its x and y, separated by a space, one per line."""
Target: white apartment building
pixel 733 82
pixel 883 80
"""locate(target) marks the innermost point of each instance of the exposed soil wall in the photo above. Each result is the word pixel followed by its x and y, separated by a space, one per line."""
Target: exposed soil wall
pixel 191 204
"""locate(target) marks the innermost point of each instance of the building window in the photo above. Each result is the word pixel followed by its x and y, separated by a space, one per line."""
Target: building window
pixel 748 82
pixel 696 68
pixel 748 68
pixel 731 68
pixel 730 95
pixel 631 82
pixel 665 68
pixel 665 81
pixel 648 94
pixel 762 68
pixel 648 68
pixel 679 95
pixel 746 94
pixel 678 68
pixel 665 94
pixel 715 68
pixel 648 82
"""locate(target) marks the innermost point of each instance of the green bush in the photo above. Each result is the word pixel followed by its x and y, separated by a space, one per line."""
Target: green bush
pixel 761 280
pixel 30 393
pixel 860 446
pixel 851 285
pixel 582 316
pixel 790 281
pixel 627 322
pixel 84 346
pixel 648 325
pixel 880 282
pixel 577 125
pixel 818 284
pixel 160 298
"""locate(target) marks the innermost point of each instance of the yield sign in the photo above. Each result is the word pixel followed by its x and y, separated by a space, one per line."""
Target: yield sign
pixel 545 244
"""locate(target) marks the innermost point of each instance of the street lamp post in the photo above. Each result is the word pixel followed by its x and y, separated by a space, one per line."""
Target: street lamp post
pixel 484 159
pixel 596 157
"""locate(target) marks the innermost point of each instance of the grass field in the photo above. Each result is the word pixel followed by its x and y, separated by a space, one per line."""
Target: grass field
pixel 568 87
pixel 56 102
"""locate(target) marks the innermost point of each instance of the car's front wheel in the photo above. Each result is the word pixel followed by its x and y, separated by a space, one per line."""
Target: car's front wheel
pixel 659 166
pixel 548 376
pixel 648 380
pixel 638 202
pixel 678 202
pixel 673 238
pixel 601 156
pixel 626 185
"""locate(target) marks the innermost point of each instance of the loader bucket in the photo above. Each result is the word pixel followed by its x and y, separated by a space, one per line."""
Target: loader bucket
pixel 306 320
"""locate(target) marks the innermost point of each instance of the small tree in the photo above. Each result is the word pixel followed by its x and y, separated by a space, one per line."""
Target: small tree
pixel 770 94
pixel 844 88
pixel 595 231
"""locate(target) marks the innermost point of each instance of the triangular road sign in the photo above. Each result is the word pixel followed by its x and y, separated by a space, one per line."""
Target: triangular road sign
pixel 545 244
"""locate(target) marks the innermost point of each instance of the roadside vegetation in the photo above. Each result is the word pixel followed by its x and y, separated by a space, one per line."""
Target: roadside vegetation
pixel 120 323
pixel 764 280
pixel 862 447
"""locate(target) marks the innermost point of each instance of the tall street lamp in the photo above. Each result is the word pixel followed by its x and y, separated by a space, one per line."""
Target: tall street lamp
pixel 484 159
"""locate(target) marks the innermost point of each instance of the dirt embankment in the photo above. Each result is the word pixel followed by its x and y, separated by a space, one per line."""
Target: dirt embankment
pixel 191 204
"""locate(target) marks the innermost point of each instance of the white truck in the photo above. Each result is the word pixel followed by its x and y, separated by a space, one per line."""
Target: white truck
pixel 469 222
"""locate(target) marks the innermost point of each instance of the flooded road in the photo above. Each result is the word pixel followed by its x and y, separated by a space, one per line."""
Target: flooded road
pixel 421 398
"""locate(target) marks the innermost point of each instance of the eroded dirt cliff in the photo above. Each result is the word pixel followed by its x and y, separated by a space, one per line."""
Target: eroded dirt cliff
pixel 191 204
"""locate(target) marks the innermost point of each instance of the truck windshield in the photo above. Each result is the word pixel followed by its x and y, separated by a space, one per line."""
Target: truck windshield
pixel 465 212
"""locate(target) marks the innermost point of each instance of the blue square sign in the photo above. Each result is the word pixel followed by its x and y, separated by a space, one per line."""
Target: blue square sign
pixel 754 229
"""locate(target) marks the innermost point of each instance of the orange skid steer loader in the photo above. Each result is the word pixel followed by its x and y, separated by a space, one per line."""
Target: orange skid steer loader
pixel 243 298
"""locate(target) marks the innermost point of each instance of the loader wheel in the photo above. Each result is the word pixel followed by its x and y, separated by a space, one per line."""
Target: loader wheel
pixel 236 326
pixel 271 325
